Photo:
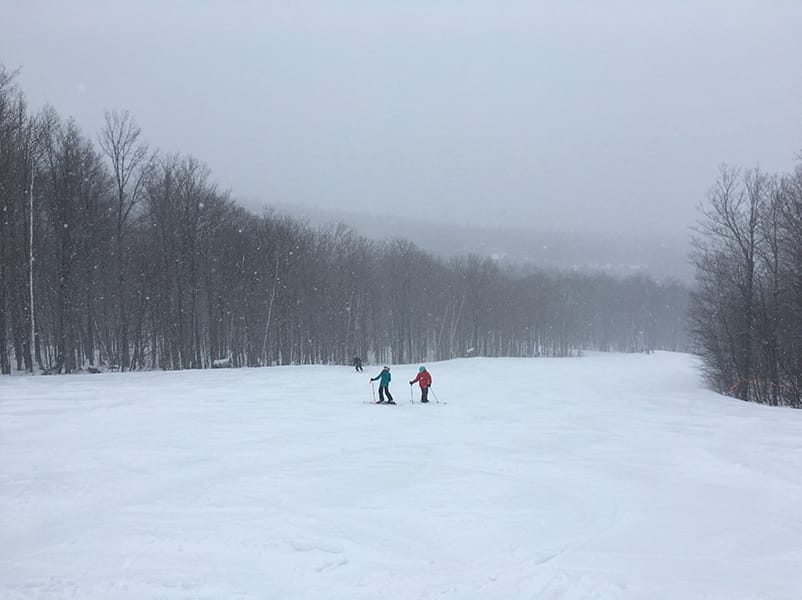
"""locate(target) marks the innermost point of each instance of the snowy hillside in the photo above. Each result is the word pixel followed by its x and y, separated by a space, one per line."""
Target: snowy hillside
pixel 603 477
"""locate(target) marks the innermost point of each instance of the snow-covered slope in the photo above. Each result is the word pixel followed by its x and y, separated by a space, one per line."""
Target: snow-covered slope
pixel 603 477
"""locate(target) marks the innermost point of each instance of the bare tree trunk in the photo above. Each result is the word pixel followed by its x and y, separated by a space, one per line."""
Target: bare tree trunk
pixel 32 310
pixel 130 165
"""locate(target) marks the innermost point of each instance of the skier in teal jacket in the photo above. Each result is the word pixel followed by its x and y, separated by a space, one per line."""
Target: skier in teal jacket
pixel 384 385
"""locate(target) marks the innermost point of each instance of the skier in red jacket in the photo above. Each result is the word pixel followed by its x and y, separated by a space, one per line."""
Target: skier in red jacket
pixel 425 381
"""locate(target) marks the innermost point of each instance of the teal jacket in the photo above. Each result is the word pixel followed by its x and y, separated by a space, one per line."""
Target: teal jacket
pixel 385 378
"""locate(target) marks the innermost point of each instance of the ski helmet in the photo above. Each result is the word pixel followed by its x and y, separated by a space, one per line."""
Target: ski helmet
pixel 422 369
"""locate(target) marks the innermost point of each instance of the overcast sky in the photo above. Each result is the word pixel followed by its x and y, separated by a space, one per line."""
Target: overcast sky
pixel 550 115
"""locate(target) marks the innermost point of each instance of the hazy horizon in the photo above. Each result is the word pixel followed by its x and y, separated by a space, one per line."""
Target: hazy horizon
pixel 605 118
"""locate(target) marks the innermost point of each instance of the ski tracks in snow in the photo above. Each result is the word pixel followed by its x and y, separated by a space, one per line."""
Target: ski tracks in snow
pixel 587 478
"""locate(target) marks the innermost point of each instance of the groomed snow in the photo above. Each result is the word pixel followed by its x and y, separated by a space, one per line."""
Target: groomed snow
pixel 603 477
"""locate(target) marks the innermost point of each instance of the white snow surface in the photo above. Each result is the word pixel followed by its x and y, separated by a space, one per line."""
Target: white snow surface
pixel 601 477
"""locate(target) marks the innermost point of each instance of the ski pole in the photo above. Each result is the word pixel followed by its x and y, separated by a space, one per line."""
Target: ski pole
pixel 433 394
pixel 373 387
pixel 411 401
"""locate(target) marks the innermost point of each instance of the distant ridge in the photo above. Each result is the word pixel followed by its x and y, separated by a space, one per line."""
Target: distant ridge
pixel 660 256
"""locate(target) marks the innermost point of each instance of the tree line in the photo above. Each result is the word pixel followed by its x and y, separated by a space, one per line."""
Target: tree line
pixel 113 256
pixel 746 308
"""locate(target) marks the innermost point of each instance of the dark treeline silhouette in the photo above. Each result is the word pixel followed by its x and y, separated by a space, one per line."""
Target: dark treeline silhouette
pixel 141 262
pixel 746 310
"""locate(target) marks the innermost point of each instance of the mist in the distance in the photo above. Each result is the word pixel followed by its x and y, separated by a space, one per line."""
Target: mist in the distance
pixel 606 117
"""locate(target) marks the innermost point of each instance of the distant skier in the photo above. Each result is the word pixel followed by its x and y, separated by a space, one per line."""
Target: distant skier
pixel 384 385
pixel 424 379
pixel 358 364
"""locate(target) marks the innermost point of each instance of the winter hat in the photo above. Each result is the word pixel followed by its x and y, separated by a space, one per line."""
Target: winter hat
pixel 422 369
pixel 386 368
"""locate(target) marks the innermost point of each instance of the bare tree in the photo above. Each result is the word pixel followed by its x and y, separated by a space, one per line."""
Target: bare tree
pixel 746 312
pixel 130 162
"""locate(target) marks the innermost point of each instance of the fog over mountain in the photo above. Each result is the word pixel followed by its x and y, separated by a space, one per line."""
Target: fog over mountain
pixel 620 253
pixel 547 116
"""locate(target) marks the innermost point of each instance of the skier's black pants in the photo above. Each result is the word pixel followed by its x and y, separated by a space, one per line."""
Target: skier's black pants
pixel 382 391
pixel 424 394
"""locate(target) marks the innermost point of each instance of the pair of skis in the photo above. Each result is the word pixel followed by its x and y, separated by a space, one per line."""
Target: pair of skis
pixel 411 400
pixel 436 400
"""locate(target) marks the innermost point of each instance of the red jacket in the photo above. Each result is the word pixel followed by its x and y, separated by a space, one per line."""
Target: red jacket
pixel 424 378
